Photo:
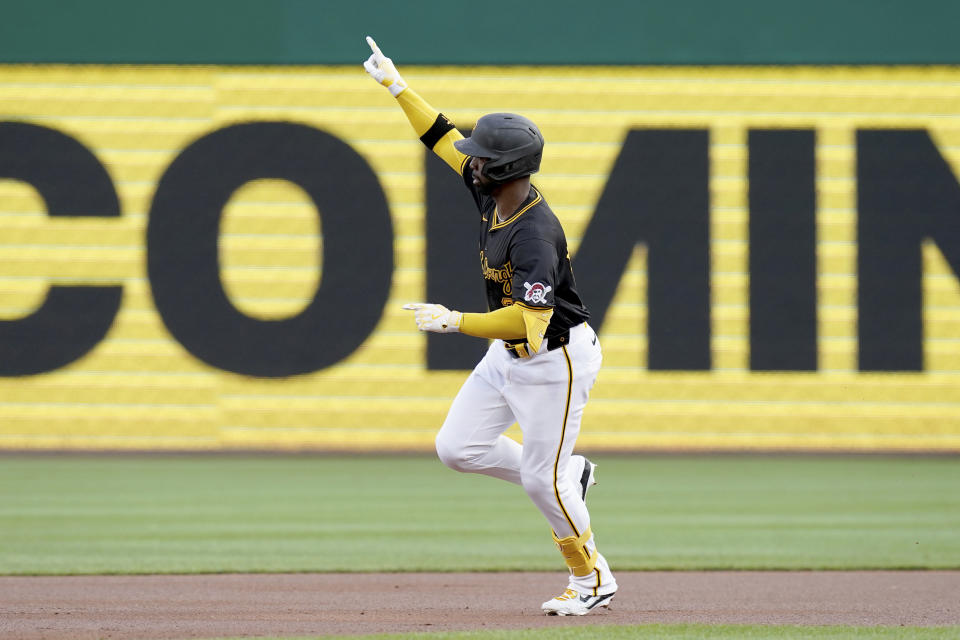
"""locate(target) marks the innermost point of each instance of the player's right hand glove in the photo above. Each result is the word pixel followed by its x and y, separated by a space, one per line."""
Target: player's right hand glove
pixel 435 317
pixel 380 68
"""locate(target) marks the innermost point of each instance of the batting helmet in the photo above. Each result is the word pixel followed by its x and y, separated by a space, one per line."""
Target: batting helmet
pixel 512 145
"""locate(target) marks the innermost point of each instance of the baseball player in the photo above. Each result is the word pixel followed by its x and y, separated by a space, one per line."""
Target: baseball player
pixel 544 358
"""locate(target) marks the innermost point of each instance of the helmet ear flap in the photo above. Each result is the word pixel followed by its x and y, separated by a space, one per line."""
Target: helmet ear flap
pixel 504 170
pixel 496 172
pixel 507 171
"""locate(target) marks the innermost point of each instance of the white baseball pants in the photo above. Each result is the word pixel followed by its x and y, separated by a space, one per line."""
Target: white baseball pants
pixel 545 394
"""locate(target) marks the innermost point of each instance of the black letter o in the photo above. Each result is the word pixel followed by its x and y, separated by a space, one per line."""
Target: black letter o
pixel 183 231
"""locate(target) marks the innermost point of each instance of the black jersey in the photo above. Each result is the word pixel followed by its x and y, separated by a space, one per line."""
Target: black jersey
pixel 525 261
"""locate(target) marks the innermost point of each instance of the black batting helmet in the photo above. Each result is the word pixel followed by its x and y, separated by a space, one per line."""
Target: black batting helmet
pixel 512 145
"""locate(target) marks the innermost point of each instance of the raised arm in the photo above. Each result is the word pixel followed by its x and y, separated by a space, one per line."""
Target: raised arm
pixel 433 128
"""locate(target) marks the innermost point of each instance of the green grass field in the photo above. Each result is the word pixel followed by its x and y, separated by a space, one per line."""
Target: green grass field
pixel 183 514
pixel 160 514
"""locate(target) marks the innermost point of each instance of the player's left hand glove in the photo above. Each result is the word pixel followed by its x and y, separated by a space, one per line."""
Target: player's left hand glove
pixel 435 317
pixel 380 68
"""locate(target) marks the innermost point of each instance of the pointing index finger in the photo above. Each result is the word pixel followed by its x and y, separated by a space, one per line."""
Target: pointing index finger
pixel 373 46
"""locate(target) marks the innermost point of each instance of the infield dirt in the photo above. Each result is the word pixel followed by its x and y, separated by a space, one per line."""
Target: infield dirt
pixel 210 606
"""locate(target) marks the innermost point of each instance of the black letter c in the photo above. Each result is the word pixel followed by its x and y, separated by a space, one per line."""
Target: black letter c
pixel 72 182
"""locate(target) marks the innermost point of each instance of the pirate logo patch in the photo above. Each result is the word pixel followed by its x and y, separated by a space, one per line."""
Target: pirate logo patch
pixel 536 292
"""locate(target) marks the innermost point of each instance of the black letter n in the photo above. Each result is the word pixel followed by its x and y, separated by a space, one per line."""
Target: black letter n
pixel 907 193
pixel 657 194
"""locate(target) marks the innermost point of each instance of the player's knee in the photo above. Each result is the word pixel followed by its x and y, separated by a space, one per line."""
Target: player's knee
pixel 450 454
pixel 456 456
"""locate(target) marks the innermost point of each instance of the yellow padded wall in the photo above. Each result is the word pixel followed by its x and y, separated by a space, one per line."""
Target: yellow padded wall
pixel 139 388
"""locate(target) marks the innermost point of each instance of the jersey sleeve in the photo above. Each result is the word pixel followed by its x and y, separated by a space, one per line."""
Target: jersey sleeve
pixel 436 131
pixel 535 273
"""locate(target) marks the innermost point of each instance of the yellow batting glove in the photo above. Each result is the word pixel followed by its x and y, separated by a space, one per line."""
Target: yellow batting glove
pixel 380 68
pixel 435 317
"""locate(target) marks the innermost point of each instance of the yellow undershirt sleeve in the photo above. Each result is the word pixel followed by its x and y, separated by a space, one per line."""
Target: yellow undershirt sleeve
pixel 506 324
pixel 509 323
pixel 434 129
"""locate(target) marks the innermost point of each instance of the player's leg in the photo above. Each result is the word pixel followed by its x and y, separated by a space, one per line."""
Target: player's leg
pixel 548 395
pixel 546 479
pixel 471 439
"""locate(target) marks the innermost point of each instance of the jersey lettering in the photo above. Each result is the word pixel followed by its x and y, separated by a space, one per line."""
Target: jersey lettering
pixel 503 275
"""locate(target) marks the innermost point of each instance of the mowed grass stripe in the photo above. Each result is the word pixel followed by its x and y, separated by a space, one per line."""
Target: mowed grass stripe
pixel 187 514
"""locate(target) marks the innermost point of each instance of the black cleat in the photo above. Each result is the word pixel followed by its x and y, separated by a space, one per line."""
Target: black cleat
pixel 588 478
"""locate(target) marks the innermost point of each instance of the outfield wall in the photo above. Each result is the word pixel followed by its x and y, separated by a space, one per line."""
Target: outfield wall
pixel 821 202
pixel 547 32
